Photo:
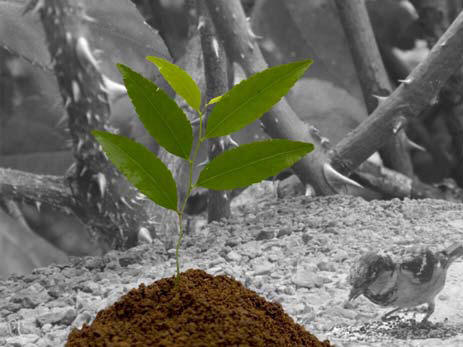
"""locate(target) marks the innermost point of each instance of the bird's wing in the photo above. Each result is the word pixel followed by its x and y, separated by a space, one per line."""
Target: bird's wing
pixel 418 265
pixel 454 251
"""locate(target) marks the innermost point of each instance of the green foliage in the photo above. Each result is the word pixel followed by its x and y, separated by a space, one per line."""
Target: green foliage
pixel 160 115
pixel 214 100
pixel 251 163
pixel 180 81
pixel 250 99
pixel 167 123
pixel 141 167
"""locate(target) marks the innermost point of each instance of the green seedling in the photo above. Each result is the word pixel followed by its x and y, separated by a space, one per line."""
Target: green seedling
pixel 169 126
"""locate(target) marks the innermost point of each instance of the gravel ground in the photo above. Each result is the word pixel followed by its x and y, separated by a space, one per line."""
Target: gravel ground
pixel 295 251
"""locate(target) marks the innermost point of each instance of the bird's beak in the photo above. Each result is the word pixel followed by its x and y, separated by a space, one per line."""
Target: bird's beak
pixel 355 292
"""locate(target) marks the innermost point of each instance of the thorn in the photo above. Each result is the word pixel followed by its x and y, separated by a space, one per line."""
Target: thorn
pixel 140 196
pixel 406 81
pixel 144 236
pixel 201 23
pixel 83 171
pixel 114 90
pixel 100 179
pixel 75 91
pixel 379 98
pixel 411 10
pixel 88 115
pixel 398 125
pixel 88 18
pixel 309 191
pixel 61 120
pixel 333 176
pixel 215 46
pixel 414 146
pixel 203 163
pixel 325 142
pixel 253 35
pixel 37 205
pixel 84 53
pixel 80 143
pixel 232 142
pixel 99 206
pixel 195 122
pixel 70 170
pixel 122 199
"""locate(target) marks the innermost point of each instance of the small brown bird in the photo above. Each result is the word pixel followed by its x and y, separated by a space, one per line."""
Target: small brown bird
pixel 413 279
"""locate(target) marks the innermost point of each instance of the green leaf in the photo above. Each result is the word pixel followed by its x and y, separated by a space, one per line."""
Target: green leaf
pixel 251 163
pixel 180 81
pixel 250 99
pixel 214 100
pixel 141 167
pixel 161 116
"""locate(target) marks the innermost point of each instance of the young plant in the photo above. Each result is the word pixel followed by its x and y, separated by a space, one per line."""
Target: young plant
pixel 168 124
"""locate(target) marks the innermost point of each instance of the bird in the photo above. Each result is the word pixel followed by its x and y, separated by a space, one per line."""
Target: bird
pixel 414 278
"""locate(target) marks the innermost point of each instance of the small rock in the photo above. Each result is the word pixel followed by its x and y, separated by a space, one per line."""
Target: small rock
pixel 289 290
pixel 29 326
pixel 341 255
pixel 22 340
pixel 306 238
pixel 234 241
pixel 233 256
pixel 296 308
pixel 92 263
pixel 307 278
pixel 5 329
pixel 252 249
pixel 172 252
pixel 266 234
pixel 84 317
pixel 284 232
pixel 326 266
pixel 331 230
pixel 443 297
pixel 31 296
pixel 216 261
pixel 63 316
pixel 264 268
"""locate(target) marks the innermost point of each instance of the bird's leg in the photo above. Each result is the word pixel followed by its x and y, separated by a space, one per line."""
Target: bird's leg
pixel 385 317
pixel 431 307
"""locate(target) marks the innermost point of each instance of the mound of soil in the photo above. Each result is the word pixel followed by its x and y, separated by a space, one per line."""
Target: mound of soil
pixel 204 310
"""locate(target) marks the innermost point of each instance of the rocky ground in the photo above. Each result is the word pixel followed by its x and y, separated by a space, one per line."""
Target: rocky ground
pixel 296 251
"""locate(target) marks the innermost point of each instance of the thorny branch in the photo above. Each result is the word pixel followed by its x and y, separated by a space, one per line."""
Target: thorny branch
pixel 215 66
pixel 374 80
pixel 407 101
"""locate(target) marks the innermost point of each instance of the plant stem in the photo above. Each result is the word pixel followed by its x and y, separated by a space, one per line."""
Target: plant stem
pixel 191 163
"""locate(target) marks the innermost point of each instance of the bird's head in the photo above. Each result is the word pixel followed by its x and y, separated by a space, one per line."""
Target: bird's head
pixel 366 270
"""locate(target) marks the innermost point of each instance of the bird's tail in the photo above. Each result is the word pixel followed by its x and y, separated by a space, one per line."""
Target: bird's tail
pixel 454 252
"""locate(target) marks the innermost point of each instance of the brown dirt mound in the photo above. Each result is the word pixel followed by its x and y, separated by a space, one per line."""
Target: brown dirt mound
pixel 204 310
